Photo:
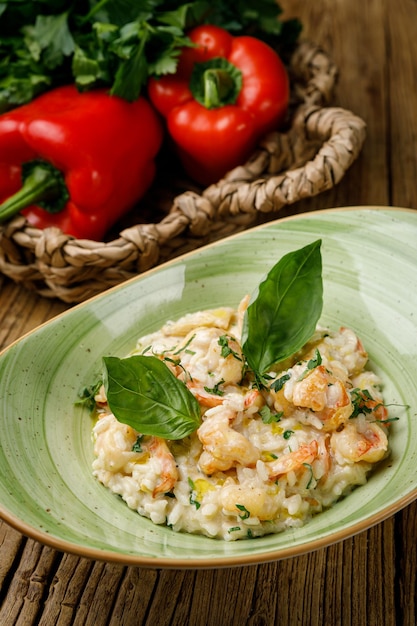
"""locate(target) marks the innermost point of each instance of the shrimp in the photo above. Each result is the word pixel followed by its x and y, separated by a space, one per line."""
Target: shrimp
pixel 216 318
pixel 355 355
pixel 379 411
pixel 203 395
pixel 364 441
pixel 292 461
pixel 251 400
pixel 324 394
pixel 323 456
pixel 114 443
pixel 224 447
pixel 250 501
pixel 168 471
pixel 342 352
pixel 100 397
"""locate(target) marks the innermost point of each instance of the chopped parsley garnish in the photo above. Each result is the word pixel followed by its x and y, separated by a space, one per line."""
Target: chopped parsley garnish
pixel 216 389
pixel 359 398
pixel 278 384
pixel 244 511
pixel 87 396
pixel 233 529
pixel 173 361
pixel 388 420
pixel 177 363
pixel 308 466
pixel 184 348
pixel 315 362
pixel 193 500
pixel 268 417
pixel 137 446
pixel 311 365
pixel 226 349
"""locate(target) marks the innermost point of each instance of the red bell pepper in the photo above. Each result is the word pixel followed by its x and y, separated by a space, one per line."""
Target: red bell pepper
pixel 227 93
pixel 87 157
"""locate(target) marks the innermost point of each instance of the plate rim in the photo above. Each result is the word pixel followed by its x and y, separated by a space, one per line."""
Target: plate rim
pixel 206 562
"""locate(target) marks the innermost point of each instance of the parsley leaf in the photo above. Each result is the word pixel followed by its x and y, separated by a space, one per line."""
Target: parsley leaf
pixel 268 417
pixel 49 39
pixel 226 350
pixel 278 384
pixel 244 513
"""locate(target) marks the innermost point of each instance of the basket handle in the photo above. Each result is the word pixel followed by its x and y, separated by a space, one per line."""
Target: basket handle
pixel 321 145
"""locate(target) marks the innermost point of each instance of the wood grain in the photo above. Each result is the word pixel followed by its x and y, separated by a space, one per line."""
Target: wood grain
pixel 367 580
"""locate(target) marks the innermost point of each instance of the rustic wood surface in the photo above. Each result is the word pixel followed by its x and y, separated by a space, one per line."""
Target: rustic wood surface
pixel 369 579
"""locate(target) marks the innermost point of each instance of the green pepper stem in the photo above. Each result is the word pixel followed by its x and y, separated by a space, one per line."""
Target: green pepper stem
pixel 42 185
pixel 215 83
pixel 218 84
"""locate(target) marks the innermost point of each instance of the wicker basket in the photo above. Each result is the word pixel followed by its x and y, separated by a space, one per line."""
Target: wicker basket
pixel 311 156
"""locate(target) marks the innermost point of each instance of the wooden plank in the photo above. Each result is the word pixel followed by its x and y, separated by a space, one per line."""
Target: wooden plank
pixel 134 597
pixel 10 545
pixel 65 592
pixel 31 578
pixel 343 30
pixel 22 310
pixel 401 81
pixel 406 565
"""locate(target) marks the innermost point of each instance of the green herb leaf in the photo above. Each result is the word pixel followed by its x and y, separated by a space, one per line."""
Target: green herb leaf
pixel 226 349
pixel 216 389
pixel 144 393
pixel 283 312
pixel 137 446
pixel 244 511
pixel 310 481
pixel 87 396
pixel 50 39
pixel 278 384
pixel 268 417
pixel 192 498
pixel 313 363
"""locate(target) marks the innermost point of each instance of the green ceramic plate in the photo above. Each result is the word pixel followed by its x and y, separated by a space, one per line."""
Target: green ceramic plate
pixel 47 490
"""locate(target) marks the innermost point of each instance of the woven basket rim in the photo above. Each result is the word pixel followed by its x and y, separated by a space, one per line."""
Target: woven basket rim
pixel 310 157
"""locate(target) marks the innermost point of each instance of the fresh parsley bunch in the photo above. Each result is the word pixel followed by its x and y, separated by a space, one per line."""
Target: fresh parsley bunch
pixel 114 43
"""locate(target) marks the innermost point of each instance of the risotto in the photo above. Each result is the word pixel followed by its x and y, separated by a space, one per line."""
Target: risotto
pixel 264 457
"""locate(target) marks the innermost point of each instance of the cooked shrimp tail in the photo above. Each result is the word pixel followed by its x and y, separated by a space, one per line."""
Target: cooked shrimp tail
pixel 168 471
pixel 292 461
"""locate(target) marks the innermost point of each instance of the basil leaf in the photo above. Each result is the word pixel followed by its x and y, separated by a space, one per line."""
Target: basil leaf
pixel 143 393
pixel 284 310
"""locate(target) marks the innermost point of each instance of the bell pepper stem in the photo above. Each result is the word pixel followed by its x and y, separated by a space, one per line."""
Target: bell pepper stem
pixel 218 83
pixel 215 83
pixel 43 185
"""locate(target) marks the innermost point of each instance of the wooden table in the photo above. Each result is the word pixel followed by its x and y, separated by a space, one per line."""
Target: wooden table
pixel 368 580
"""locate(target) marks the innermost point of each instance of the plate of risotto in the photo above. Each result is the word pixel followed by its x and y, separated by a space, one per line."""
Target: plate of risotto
pixel 250 401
